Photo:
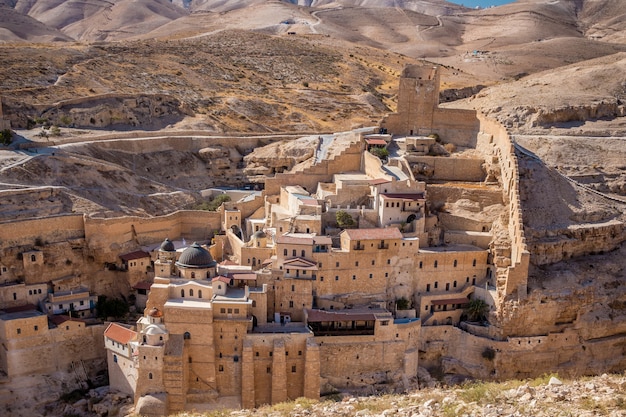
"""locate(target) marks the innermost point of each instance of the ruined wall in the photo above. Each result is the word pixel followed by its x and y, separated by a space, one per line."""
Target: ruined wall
pixel 348 160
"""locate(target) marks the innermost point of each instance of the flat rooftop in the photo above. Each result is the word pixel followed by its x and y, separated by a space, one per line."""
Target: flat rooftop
pixel 184 303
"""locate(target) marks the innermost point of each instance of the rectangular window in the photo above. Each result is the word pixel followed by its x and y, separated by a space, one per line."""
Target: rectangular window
pixel 291 304
pixel 373 262
pixel 36 328
pixel 337 264
pixel 19 331
pixel 236 311
pixel 223 310
pixel 356 263
pixel 371 276
pixel 336 277
pixel 293 369
pixel 230 311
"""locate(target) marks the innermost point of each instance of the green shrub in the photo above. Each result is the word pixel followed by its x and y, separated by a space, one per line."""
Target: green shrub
pixel 6 137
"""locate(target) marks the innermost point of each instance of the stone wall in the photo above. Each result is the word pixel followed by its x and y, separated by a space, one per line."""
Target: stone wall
pixel 49 229
pixel 48 351
pixel 451 168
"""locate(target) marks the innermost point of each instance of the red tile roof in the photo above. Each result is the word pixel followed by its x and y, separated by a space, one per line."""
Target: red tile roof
pixel 17 309
pixel 374 234
pixel 244 276
pixel 221 278
pixel 379 181
pixel 450 301
pixel 376 142
pixel 119 333
pixel 139 254
pixel 143 285
pixel 61 318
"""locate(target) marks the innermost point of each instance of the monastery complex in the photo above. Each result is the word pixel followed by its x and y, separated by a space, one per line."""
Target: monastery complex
pixel 276 296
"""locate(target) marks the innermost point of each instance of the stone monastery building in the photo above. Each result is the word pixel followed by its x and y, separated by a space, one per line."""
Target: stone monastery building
pixel 286 303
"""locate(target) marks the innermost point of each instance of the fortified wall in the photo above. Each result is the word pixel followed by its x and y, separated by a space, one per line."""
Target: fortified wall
pixel 511 258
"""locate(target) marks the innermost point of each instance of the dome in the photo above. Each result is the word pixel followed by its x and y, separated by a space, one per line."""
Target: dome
pixel 195 256
pixel 259 234
pixel 155 312
pixel 154 329
pixel 167 246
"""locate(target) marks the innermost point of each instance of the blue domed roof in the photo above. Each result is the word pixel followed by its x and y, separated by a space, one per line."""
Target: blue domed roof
pixel 195 256
pixel 167 246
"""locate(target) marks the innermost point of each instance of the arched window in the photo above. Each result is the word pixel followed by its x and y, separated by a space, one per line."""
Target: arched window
pixel 293 253
pixel 199 293
pixel 115 358
pixel 474 262
pixel 285 252
pixel 455 263
pixel 33 258
pixel 150 375
pixel 182 293
pixel 219 287
pixel 187 336
pixel 191 292
pixel 303 253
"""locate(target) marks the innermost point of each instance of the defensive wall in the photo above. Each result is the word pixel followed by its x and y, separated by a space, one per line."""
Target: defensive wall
pixel 510 258
pixel 49 229
pixel 106 235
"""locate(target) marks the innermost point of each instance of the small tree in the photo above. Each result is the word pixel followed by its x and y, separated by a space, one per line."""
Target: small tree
pixel 381 153
pixel 6 137
pixel 344 220
pixel 402 304
pixel 477 310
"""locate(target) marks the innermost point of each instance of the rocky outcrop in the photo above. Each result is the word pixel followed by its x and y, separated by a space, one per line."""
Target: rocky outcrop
pixel 144 110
